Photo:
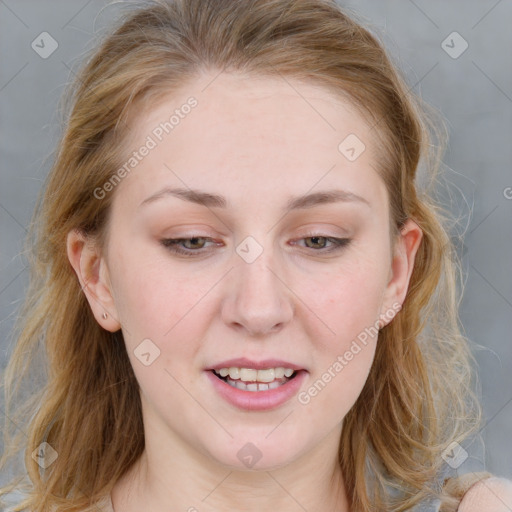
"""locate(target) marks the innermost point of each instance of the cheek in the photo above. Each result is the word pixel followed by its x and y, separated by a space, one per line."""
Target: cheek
pixel 348 299
pixel 163 305
pixel 333 391
pixel 350 305
pixel 155 300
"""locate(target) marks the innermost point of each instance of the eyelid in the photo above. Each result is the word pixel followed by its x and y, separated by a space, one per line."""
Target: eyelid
pixel 338 243
pixel 172 244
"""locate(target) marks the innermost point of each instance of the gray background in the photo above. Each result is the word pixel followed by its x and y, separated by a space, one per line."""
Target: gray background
pixel 473 92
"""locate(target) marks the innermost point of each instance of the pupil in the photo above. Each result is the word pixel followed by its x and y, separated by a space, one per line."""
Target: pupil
pixel 193 241
pixel 316 238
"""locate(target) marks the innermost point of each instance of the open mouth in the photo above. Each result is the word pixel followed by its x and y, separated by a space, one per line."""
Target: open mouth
pixel 256 390
pixel 249 382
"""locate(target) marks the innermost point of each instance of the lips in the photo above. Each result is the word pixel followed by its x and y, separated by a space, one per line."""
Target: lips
pixel 243 362
pixel 255 396
pixel 256 400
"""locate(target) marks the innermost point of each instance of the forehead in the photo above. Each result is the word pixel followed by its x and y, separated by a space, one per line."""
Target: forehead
pixel 252 134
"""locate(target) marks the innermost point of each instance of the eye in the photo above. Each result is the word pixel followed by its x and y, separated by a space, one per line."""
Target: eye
pixel 195 245
pixel 318 243
pixel 175 245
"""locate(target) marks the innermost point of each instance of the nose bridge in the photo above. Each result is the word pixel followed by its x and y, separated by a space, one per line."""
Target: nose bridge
pixel 258 300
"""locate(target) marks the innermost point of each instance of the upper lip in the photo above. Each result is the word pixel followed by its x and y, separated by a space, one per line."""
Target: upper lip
pixel 243 362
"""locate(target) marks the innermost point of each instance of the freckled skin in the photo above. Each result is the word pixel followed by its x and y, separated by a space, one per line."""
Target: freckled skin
pixel 256 142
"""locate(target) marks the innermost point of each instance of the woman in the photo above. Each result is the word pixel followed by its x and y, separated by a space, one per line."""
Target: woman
pixel 245 301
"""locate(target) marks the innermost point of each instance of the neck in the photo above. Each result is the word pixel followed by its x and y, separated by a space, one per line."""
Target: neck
pixel 163 480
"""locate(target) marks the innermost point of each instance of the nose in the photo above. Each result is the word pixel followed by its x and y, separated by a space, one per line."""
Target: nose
pixel 258 301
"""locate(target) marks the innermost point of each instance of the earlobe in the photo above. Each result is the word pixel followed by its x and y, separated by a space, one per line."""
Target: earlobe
pixel 90 268
pixel 402 265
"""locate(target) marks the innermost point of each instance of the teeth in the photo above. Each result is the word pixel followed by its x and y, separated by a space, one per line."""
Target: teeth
pixel 253 386
pixel 234 373
pixel 279 373
pixel 250 375
pixel 246 375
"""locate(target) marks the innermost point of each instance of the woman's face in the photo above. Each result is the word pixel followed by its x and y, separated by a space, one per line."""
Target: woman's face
pixel 260 179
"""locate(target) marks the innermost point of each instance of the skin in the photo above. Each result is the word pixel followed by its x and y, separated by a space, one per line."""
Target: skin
pixel 492 495
pixel 257 142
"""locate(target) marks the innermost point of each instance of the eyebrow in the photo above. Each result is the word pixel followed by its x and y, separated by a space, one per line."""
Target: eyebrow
pixel 295 203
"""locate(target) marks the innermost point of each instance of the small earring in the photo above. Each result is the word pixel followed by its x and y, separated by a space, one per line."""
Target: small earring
pixel 104 316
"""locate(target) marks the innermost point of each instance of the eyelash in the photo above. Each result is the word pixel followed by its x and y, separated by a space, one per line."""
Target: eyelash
pixel 171 244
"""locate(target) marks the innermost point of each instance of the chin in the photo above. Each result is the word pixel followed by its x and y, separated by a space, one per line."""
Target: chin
pixel 260 454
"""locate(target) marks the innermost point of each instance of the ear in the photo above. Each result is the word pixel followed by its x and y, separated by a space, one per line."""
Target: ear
pixel 92 272
pixel 401 269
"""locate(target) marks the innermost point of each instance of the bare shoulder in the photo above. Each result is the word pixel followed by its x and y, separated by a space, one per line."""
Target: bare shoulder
pixel 492 494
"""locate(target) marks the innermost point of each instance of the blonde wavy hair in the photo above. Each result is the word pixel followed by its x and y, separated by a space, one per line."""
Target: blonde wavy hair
pixel 419 396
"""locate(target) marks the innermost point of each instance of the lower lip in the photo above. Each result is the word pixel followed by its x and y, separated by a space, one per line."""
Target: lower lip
pixel 257 400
